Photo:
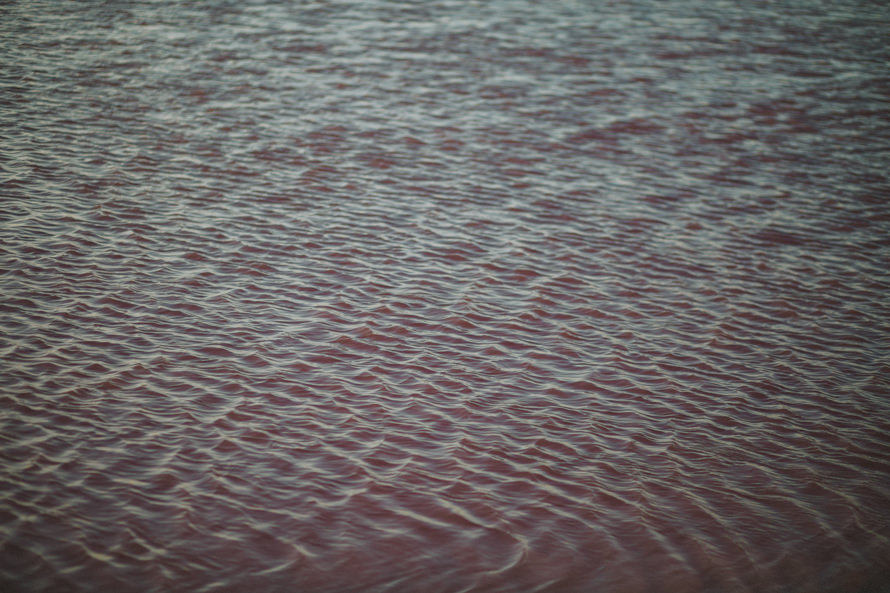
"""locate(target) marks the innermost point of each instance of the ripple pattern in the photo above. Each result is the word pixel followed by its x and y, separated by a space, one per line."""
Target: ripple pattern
pixel 505 297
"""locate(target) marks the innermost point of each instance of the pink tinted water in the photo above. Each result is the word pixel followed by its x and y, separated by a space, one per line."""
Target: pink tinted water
pixel 446 297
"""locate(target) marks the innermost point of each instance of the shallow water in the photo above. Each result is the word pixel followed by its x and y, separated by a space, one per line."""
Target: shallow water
pixel 454 296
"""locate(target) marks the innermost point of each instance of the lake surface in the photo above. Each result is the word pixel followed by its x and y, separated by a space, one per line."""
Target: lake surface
pixel 451 297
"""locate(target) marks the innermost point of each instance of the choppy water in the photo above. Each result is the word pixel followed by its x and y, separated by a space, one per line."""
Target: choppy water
pixel 508 296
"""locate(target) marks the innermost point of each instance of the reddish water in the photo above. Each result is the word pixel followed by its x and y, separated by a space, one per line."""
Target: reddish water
pixel 502 297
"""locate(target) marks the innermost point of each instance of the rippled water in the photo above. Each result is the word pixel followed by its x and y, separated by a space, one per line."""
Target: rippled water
pixel 450 296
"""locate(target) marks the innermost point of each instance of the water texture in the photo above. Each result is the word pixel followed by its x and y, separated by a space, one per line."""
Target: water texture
pixel 456 297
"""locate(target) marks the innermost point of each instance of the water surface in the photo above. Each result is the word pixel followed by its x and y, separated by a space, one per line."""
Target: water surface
pixel 479 297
